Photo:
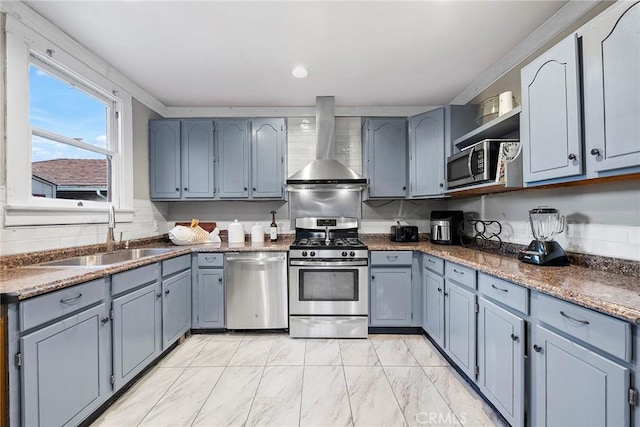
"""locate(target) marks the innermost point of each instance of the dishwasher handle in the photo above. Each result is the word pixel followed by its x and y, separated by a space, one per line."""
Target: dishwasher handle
pixel 255 259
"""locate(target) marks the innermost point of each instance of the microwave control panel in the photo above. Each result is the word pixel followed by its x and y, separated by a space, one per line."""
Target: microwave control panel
pixel 480 161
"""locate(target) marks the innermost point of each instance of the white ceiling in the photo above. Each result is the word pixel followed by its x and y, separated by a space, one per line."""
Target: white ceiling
pixel 238 53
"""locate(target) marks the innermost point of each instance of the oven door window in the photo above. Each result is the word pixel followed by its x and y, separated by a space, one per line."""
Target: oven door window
pixel 328 285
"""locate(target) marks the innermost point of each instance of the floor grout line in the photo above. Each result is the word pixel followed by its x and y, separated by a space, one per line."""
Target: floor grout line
pixel 204 402
pixel 346 386
pixel 390 386
pixel 163 394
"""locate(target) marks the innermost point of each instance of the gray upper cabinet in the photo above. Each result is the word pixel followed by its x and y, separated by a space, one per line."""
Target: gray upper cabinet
pixel 576 386
pixel 551 114
pixel 65 369
pixel 501 341
pixel 164 159
pixel 385 153
pixel 233 141
pixel 611 44
pixel 198 159
pixel 267 157
pixel 426 154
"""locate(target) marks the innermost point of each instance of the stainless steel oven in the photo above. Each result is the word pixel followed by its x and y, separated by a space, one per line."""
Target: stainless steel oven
pixel 328 280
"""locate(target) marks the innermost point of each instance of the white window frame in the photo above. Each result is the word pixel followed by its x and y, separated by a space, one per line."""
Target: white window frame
pixel 23 47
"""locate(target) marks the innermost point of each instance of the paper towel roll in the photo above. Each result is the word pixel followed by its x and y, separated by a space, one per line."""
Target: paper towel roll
pixel 505 102
pixel 236 232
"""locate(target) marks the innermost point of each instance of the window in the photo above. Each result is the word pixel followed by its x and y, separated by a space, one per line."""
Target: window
pixel 73 136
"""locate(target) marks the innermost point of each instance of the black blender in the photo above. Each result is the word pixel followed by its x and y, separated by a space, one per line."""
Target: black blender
pixel 546 224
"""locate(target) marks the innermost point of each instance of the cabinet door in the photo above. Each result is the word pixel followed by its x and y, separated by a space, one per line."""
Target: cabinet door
pixel 501 360
pixel 198 159
pixel 65 369
pixel 136 332
pixel 575 386
pixel 164 159
pixel 210 299
pixel 551 124
pixel 391 296
pixel 612 88
pixel 433 311
pixel 176 307
pixel 233 158
pixel 387 157
pixel 267 157
pixel 426 153
pixel 460 327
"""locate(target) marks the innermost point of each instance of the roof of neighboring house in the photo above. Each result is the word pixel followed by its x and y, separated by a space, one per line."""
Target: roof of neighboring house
pixel 72 172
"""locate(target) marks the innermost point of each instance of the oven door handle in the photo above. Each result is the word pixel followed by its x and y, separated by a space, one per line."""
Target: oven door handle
pixel 362 263
pixel 469 163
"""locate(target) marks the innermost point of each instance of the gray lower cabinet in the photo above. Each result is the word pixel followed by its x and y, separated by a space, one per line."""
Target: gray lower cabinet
pixel 576 386
pixel 611 61
pixel 66 368
pixel 433 308
pixel 390 296
pixel 176 307
pixel 551 125
pixel 137 325
pixel 385 156
pixel 209 308
pixel 460 326
pixel 501 347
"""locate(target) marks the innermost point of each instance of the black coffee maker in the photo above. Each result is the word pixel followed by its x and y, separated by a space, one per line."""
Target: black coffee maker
pixel 446 227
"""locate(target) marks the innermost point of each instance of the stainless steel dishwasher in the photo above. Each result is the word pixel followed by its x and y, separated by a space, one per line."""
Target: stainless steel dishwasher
pixel 256 290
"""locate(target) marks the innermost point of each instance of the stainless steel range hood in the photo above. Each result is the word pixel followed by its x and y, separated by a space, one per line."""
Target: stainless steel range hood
pixel 325 172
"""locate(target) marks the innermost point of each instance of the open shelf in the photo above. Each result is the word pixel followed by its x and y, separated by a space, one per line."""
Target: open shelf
pixel 496 128
pixel 477 190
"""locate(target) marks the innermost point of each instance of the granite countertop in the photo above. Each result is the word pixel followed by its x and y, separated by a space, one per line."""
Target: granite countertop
pixel 610 293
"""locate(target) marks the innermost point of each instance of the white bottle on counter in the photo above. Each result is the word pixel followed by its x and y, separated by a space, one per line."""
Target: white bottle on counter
pixel 236 232
pixel 257 233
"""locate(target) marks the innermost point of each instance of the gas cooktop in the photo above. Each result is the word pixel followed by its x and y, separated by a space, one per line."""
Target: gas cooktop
pixel 346 243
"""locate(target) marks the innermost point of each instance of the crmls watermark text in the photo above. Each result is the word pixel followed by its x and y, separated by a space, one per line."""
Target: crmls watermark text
pixel 440 418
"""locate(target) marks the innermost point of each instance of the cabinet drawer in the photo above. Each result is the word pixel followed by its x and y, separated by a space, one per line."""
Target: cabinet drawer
pixel 514 296
pixel 44 308
pixel 391 257
pixel 599 330
pixel 127 280
pixel 461 274
pixel 434 264
pixel 175 265
pixel 210 260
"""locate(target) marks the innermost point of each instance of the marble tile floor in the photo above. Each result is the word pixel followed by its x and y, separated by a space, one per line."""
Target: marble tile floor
pixel 273 380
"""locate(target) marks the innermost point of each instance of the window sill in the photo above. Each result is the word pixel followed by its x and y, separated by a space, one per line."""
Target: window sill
pixel 16 215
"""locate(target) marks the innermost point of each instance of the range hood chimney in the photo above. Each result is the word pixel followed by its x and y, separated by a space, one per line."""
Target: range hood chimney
pixel 326 172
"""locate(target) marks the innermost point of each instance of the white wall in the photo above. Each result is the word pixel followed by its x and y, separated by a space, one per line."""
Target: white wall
pixel 601 219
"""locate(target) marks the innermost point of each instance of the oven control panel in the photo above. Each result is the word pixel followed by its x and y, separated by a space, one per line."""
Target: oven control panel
pixel 328 253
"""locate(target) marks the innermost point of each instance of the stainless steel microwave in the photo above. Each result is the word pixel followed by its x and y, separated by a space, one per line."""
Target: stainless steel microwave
pixel 475 164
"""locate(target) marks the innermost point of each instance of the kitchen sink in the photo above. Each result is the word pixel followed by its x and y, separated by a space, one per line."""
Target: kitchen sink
pixel 107 258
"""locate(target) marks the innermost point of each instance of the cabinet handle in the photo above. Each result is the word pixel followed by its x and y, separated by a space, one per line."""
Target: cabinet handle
pixel 404 188
pixel 254 189
pixel 459 272
pixel 595 152
pixel 185 189
pixel 441 185
pixel 572 156
pixel 71 300
pixel 104 320
pixel 159 295
pixel 537 348
pixel 439 289
pixel 446 294
pixel 431 261
pixel 209 258
pixel 220 280
pixel 584 322
pixel 373 277
pixel 245 188
pixel 177 189
pixel 167 292
pixel 500 289
pixel 514 337
pixel 392 258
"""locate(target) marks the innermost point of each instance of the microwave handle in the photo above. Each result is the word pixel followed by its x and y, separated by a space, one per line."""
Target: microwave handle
pixel 469 163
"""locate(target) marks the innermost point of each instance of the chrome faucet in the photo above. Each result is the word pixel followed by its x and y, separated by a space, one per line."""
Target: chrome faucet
pixel 111 223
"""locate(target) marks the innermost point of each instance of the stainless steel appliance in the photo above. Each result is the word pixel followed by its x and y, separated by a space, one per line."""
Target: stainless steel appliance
pixel 256 290
pixel 404 233
pixel 328 280
pixel 446 227
pixel 546 223
pixel 475 164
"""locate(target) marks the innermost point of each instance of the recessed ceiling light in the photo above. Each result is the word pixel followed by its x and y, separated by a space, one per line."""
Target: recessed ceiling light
pixel 299 72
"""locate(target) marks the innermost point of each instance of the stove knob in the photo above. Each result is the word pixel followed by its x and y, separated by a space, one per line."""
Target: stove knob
pixel 344 254
pixel 304 253
pixel 352 253
pixel 312 253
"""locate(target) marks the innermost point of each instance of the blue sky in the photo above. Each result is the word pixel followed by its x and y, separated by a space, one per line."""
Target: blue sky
pixel 58 107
